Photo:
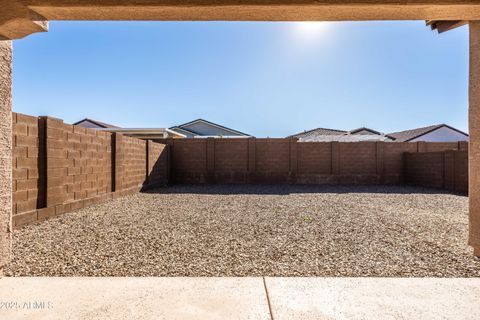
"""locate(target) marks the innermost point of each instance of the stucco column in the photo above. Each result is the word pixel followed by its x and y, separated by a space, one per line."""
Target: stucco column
pixel 5 151
pixel 474 131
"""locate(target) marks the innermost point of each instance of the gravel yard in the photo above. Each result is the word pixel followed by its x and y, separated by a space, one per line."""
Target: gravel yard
pixel 254 231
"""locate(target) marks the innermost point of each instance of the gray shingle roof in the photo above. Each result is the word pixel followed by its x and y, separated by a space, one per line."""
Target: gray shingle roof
pixel 364 130
pixel 185 125
pixel 318 132
pixel 408 135
pixel 346 138
pixel 95 122
pixel 328 135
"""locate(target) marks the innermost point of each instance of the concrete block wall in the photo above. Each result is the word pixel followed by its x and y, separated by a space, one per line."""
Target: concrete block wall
pixel 272 161
pixel 189 160
pixel 79 166
pixel 460 173
pixel 314 158
pixel 288 161
pixel 393 165
pixel 441 146
pixel 90 174
pixel 223 167
pixel 134 163
pixel 59 167
pixel 27 165
pixel 358 162
pixel 158 168
pixel 441 169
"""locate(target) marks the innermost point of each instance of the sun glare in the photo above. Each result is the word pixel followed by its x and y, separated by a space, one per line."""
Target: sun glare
pixel 310 28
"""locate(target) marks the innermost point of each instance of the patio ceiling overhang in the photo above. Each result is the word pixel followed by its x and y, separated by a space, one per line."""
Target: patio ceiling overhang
pixel 443 26
pixel 20 18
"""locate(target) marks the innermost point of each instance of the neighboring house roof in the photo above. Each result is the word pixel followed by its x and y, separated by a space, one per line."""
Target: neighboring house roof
pixel 141 133
pixel 183 131
pixel 328 135
pixel 146 133
pixel 188 128
pixel 94 123
pixel 346 138
pixel 364 130
pixel 408 135
pixel 317 132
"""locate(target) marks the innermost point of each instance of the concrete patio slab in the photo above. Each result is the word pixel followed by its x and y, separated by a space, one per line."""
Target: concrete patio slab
pixel 133 298
pixel 374 298
pixel 239 298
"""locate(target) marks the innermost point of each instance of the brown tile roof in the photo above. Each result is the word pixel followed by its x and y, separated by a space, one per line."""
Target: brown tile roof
pixel 408 135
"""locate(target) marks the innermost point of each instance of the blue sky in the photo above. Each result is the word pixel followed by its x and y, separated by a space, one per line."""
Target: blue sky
pixel 266 79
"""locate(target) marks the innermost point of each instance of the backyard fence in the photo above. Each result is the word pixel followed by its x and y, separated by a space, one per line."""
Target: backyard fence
pixel 447 170
pixel 253 160
pixel 59 167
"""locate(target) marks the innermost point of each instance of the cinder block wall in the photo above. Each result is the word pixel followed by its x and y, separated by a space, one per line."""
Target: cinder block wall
pixel 393 165
pixel 442 169
pixel 288 161
pixel 27 178
pixel 59 167
pixel 131 160
pixel 158 165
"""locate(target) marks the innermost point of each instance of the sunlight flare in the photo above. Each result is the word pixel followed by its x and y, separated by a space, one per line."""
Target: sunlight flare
pixel 310 29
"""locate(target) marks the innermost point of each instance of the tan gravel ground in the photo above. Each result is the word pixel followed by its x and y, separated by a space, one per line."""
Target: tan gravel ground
pixel 255 231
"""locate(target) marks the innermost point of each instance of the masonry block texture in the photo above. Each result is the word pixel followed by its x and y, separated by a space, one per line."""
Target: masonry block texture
pixel 5 151
pixel 288 161
pixel 28 168
pixel 226 169
pixel 272 160
pixel 189 159
pixel 59 167
pixel 442 169
pixel 132 159
pixel 78 163
pixel 158 164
